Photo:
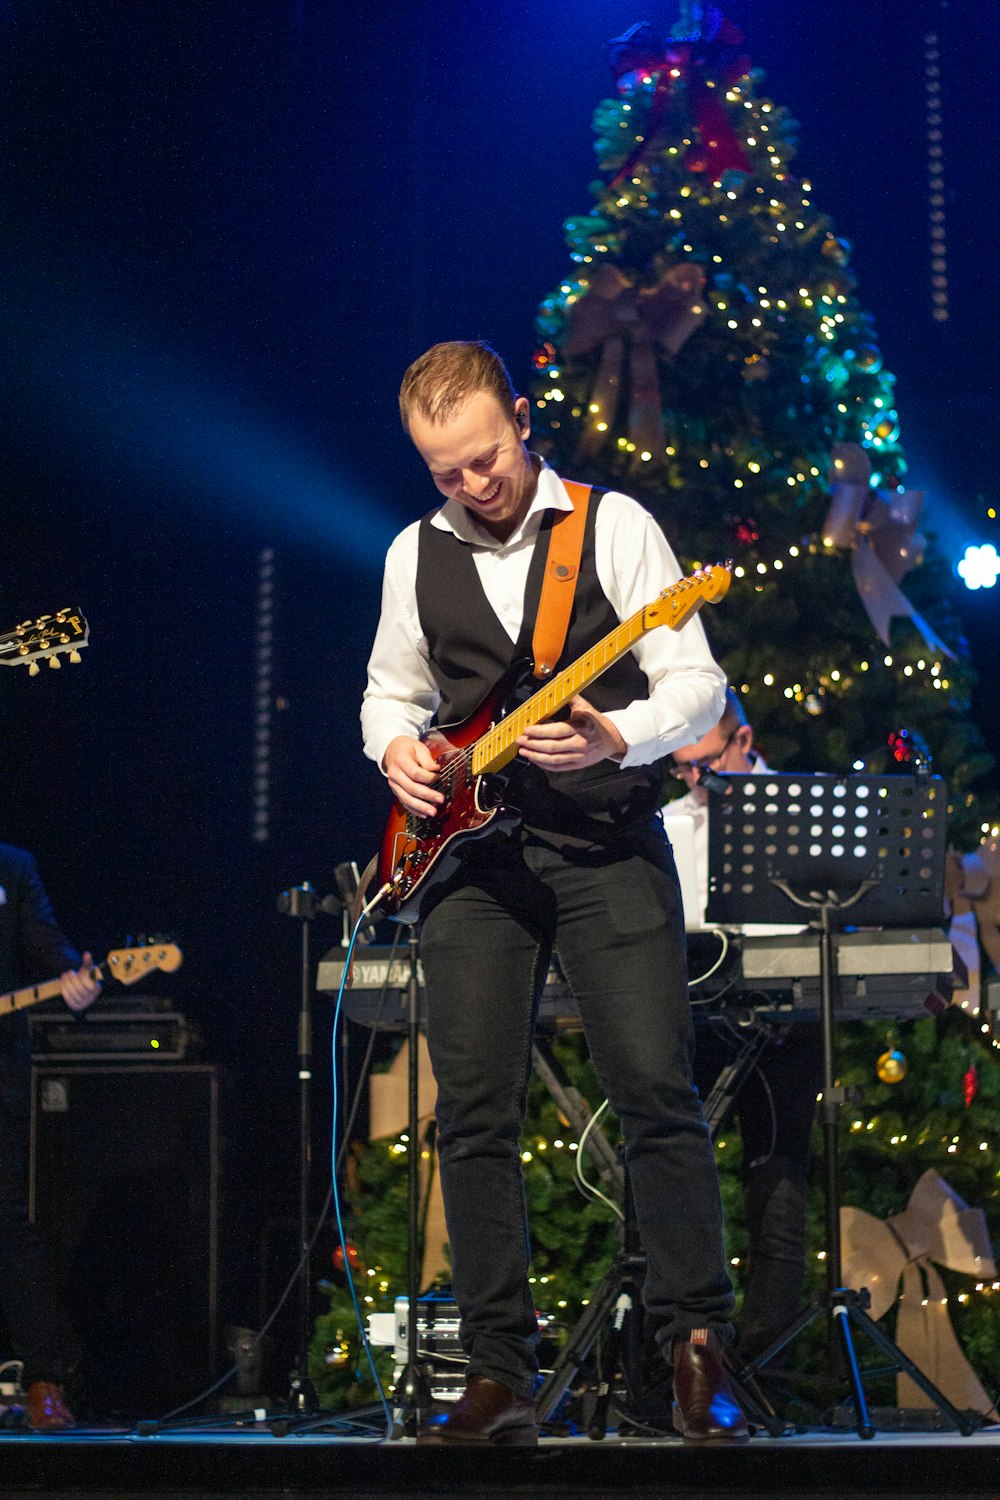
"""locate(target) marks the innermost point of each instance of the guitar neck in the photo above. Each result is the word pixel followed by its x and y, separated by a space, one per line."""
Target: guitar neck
pixel 498 746
pixel 32 994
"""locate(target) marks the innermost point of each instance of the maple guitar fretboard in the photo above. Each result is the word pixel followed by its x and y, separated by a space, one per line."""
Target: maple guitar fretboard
pixel 673 607
pixel 30 995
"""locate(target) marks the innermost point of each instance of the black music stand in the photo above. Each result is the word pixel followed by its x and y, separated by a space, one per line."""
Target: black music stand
pixel 861 848
pixel 822 832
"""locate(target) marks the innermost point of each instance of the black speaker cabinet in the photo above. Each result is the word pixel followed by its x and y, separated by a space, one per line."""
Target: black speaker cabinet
pixel 124 1183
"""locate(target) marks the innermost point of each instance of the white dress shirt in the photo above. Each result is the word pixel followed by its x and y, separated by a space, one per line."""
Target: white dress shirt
pixel 634 564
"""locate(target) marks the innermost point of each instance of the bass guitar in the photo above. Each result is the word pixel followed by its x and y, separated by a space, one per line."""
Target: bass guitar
pixel 126 965
pixel 416 852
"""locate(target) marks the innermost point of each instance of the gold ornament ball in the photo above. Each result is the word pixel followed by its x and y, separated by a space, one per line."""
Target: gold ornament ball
pixel 887 428
pixel 891 1066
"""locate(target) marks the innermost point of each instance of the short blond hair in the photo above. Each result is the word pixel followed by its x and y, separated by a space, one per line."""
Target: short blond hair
pixel 440 380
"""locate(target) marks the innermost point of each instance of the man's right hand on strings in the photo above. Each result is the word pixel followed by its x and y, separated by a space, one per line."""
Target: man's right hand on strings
pixel 411 770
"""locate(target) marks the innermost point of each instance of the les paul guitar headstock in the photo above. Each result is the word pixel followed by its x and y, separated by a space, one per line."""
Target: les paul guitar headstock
pixel 46 639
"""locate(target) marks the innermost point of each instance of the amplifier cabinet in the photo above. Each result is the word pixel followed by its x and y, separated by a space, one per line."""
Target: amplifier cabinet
pixel 124 1183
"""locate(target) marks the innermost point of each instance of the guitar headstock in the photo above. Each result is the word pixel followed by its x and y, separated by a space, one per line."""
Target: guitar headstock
pixel 676 605
pixel 126 965
pixel 45 639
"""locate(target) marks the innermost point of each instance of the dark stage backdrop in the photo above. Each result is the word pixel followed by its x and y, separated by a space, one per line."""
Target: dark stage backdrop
pixel 227 229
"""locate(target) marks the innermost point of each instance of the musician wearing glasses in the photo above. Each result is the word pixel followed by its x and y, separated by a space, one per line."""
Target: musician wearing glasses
pixel 727 747
pixel 588 872
pixel 776 1105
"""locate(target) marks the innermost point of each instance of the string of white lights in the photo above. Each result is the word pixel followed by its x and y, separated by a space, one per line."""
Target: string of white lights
pixel 935 178
pixel 263 701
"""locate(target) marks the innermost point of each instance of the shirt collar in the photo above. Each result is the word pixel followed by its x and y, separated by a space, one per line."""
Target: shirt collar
pixel 550 494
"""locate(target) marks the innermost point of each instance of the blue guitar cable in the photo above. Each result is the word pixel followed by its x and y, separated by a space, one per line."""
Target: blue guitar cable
pixel 333 1170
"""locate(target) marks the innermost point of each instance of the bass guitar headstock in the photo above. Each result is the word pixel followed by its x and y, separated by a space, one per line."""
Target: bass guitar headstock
pixel 126 965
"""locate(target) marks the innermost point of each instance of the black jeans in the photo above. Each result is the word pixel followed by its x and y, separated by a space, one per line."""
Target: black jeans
pixel 614 917
pixel 27 1296
pixel 775 1109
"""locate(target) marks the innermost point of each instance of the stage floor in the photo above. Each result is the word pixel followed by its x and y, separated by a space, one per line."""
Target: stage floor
pixel 255 1461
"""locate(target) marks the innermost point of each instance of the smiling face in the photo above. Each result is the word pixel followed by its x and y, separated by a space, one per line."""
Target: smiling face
pixel 477 457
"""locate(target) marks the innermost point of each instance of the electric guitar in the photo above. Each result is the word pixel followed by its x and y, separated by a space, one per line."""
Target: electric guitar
pixel 416 852
pixel 45 639
pixel 126 965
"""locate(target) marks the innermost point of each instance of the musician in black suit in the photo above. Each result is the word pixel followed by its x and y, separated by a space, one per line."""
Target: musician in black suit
pixel 33 948
pixel 589 873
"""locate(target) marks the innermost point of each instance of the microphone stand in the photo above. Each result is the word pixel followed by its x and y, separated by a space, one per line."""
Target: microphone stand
pixel 302 902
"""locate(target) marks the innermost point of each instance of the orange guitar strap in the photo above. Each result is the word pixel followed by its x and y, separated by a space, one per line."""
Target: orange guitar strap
pixel 562 568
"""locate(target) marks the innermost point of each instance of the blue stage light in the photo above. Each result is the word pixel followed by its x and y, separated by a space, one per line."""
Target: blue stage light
pixel 107 379
pixel 980 567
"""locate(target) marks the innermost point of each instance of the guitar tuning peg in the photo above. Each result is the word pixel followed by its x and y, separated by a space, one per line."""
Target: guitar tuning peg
pixel 55 663
pixel 33 669
pixel 75 658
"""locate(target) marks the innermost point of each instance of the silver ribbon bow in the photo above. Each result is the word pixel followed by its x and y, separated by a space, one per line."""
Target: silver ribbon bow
pixel 880 530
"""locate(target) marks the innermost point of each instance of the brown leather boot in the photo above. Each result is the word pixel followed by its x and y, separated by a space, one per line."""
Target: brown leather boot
pixel 486 1412
pixel 45 1409
pixel 705 1408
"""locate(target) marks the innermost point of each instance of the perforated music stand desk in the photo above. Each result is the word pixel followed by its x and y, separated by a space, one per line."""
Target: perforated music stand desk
pixel 822 833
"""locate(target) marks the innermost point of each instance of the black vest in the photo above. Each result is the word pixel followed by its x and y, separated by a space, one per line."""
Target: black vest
pixel 470 650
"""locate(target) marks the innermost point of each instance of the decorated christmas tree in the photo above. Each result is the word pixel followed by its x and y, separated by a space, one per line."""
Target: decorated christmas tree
pixel 707 353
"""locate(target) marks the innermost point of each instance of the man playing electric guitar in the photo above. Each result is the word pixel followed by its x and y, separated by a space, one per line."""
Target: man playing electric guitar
pixel 587 870
pixel 32 946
